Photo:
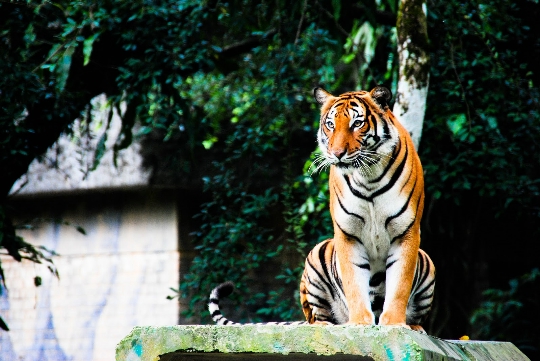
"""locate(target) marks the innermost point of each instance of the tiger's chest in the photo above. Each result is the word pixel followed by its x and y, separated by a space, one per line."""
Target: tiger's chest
pixel 375 219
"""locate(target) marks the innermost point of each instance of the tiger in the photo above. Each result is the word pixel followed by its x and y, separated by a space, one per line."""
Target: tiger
pixel 373 270
pixel 326 294
pixel 323 300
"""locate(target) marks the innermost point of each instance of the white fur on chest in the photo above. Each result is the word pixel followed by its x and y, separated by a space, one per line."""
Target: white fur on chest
pixel 379 226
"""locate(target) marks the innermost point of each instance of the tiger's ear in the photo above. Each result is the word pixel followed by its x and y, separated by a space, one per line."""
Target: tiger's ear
pixel 381 95
pixel 321 95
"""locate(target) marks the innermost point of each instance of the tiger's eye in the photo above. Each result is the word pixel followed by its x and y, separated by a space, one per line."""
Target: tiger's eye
pixel 330 124
pixel 358 123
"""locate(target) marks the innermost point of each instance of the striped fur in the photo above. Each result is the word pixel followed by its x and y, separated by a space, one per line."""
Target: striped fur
pixel 223 290
pixel 372 271
pixel 323 299
pixel 365 274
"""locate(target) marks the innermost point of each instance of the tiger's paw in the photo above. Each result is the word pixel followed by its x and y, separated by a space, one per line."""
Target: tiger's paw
pixel 396 324
pixel 393 319
pixel 358 324
pixel 323 323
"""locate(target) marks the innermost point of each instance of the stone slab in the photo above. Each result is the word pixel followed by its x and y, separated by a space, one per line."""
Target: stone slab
pixel 303 342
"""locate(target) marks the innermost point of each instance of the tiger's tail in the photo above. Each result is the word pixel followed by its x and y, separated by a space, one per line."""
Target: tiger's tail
pixel 224 290
pixel 221 291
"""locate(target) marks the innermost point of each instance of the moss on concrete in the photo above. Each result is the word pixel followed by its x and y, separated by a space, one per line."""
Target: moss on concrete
pixel 252 341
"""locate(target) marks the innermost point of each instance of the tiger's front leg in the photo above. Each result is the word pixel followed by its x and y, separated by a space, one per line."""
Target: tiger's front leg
pixel 355 274
pixel 401 267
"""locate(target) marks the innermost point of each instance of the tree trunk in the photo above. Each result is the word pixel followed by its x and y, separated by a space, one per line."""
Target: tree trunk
pixel 410 106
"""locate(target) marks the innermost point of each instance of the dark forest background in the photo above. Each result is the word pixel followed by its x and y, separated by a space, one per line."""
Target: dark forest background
pixel 225 88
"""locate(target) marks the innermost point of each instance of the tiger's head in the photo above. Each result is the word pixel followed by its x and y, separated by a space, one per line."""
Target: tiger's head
pixel 356 131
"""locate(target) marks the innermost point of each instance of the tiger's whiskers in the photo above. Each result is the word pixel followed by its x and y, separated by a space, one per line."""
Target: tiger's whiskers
pixel 320 162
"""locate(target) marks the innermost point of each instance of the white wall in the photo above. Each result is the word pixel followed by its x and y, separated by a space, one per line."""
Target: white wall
pixel 112 279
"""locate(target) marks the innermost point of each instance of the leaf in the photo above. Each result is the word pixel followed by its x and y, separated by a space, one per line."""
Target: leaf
pixel 456 122
pixel 336 4
pixel 100 150
pixel 63 66
pixel 81 230
pixel 3 325
pixel 125 138
pixel 208 143
pixel 101 146
pixel 88 45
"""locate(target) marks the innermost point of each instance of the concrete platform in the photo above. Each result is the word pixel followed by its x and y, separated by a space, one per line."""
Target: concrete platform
pixel 305 342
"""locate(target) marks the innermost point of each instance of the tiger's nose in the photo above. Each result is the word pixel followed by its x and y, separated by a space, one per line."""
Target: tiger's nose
pixel 339 153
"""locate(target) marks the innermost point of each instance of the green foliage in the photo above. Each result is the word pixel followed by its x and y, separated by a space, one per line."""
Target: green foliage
pixel 266 211
pixel 252 221
pixel 512 315
pixel 483 109
pixel 225 82
pixel 478 151
pixel 226 85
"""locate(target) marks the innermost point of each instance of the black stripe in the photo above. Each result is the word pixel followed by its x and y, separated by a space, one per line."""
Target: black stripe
pixel 356 192
pixel 345 210
pixel 322 259
pixel 311 304
pixel 408 178
pixel 324 318
pixel 386 129
pixel 426 287
pixel 410 225
pixel 403 209
pixel 356 102
pixel 373 120
pixel 363 266
pixel 403 233
pixel 395 152
pixel 215 313
pixel 421 308
pixel 317 285
pixel 349 235
pixel 335 272
pixel 426 297
pixel 395 176
pixel 214 300
pixel 322 300
pixel 425 271
pixel 321 278
pixel 388 265
pixel 419 270
pixel 377 146
pixel 328 286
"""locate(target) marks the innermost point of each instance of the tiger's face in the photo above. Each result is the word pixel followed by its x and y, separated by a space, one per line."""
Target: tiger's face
pixel 355 130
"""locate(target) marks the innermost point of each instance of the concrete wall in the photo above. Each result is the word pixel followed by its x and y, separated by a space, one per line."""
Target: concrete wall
pixel 113 278
pixel 68 165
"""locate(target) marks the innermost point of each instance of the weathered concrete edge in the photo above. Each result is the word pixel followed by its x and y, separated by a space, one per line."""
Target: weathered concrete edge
pixel 490 350
pixel 379 342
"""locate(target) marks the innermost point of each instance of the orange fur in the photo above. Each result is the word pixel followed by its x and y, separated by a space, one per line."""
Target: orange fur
pixel 376 202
